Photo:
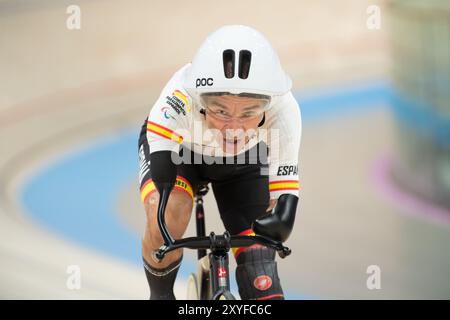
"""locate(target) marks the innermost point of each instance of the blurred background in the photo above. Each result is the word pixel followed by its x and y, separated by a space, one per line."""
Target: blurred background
pixel 373 83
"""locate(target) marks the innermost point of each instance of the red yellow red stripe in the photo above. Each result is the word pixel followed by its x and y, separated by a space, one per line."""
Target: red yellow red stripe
pixel 147 189
pixel 180 184
pixel 284 185
pixel 184 185
pixel 163 132
pixel 237 251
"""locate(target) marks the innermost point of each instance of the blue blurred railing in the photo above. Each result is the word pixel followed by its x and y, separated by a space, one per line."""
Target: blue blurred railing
pixel 420 50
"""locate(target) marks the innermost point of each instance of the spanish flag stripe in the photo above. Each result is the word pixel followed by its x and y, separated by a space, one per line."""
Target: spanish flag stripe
pixel 145 192
pixel 284 181
pixel 145 196
pixel 164 132
pixel 184 180
pixel 188 188
pixel 278 189
pixel 159 134
pixel 159 126
pixel 149 187
pixel 146 183
pixel 238 250
pixel 283 185
pixel 246 232
pixel 156 129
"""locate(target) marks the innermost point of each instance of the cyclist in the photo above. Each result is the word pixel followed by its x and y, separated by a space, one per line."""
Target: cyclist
pixel 229 119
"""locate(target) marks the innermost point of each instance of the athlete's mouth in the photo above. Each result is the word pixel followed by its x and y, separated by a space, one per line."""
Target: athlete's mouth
pixel 236 141
pixel 233 141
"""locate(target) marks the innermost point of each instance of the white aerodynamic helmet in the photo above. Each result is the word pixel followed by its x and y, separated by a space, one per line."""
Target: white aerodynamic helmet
pixel 236 59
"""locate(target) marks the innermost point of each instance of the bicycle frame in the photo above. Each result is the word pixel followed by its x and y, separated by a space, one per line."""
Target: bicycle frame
pixel 218 278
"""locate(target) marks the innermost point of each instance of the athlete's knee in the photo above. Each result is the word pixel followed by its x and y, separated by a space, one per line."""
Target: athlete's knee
pixel 149 249
pixel 153 238
pixel 257 274
pixel 177 215
pixel 179 203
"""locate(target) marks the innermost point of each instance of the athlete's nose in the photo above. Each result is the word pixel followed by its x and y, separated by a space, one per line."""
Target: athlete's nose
pixel 234 124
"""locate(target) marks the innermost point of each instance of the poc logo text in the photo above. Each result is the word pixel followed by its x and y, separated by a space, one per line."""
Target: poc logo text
pixel 202 82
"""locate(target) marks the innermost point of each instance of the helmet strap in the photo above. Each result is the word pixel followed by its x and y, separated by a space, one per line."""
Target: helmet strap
pixel 263 120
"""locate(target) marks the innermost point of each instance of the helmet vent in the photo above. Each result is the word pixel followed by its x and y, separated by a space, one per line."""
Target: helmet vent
pixel 245 58
pixel 228 63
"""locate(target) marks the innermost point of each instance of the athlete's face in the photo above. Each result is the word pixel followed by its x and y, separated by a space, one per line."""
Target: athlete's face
pixel 234 117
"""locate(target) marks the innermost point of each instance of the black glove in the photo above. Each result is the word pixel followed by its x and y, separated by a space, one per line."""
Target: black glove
pixel 278 225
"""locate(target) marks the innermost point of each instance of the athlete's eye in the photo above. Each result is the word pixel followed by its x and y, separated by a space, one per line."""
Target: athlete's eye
pixel 222 113
pixel 248 115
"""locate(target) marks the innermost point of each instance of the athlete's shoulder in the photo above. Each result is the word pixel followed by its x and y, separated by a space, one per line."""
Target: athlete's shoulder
pixel 285 108
pixel 177 77
pixel 174 95
pixel 174 101
pixel 284 102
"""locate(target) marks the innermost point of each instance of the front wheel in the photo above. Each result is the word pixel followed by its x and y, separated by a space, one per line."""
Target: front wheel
pixel 226 295
pixel 192 287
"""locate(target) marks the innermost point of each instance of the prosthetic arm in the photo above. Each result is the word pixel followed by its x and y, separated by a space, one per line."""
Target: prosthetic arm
pixel 278 224
pixel 164 174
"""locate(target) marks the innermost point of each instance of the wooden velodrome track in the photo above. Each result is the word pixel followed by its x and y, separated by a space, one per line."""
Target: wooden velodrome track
pixel 62 89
